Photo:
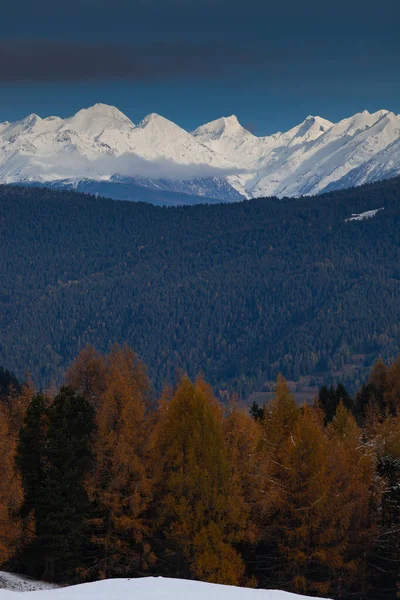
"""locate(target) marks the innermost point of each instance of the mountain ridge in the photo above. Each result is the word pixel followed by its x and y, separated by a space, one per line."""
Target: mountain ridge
pixel 219 160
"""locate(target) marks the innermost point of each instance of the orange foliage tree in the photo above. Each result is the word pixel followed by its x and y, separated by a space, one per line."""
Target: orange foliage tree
pixel 10 492
pixel 198 509
pixel 119 485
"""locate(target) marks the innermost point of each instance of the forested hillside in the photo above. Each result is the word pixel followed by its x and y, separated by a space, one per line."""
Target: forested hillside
pixel 239 291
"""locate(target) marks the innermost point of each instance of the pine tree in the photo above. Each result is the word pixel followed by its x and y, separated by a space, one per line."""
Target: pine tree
pixel 10 493
pixel 64 506
pixel 330 398
pixel 120 486
pixel 256 411
pixel 198 511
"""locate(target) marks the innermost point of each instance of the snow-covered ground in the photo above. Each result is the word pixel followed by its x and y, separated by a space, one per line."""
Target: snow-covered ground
pixel 21 583
pixel 147 588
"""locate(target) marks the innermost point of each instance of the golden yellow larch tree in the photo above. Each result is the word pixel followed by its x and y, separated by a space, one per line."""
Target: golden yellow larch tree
pixel 250 462
pixel 311 530
pixel 11 495
pixel 119 485
pixel 392 387
pixel 357 491
pixel 280 416
pixel 199 513
pixel 87 375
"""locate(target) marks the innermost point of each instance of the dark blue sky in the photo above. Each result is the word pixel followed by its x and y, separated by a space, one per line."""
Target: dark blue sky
pixel 271 63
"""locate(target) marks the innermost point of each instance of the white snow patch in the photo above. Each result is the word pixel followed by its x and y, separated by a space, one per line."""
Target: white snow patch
pixel 368 214
pixel 21 583
pixel 151 588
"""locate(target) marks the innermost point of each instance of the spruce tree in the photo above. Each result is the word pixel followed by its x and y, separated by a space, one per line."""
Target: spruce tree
pixel 31 462
pixel 31 452
pixel 64 504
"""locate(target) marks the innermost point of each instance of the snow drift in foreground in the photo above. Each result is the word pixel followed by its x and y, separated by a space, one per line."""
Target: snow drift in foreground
pixel 220 159
pixel 151 588
pixel 20 583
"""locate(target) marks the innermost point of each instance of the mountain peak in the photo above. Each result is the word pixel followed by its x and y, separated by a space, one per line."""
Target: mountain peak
pixel 151 118
pixel 96 119
pixel 231 121
pixel 31 119
pixel 310 129
pixel 100 109
pixel 224 126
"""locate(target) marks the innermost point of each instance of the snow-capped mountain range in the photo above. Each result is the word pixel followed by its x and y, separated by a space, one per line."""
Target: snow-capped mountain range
pixel 101 150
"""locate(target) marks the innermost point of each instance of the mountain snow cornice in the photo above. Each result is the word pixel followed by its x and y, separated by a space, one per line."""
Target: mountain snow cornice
pixel 102 144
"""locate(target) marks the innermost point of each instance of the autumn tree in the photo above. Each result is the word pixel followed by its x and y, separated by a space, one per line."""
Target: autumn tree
pixel 370 403
pixel 313 521
pixel 357 493
pixel 198 511
pixel 10 492
pixel 250 463
pixel 280 417
pixel 120 486
pixel 87 375
pixel 392 387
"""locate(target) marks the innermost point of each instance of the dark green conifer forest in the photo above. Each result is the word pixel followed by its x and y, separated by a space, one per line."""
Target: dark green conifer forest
pixel 238 291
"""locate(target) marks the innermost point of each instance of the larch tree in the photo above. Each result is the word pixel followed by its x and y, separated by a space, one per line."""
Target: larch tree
pixel 392 387
pixel 198 511
pixel 278 423
pixel 250 463
pixel 87 375
pixel 311 532
pixel 378 375
pixel 357 493
pixel 11 494
pixel 120 485
pixel 18 402
pixel 280 417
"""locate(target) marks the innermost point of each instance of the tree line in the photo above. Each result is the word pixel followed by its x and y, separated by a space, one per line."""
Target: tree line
pixel 101 479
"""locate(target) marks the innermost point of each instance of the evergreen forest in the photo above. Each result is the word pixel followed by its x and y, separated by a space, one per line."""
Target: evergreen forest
pixel 239 292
